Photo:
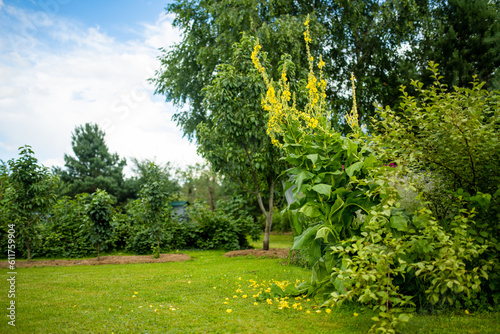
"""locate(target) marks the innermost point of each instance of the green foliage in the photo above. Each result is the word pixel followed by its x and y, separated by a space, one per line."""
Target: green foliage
pixel 201 182
pixel 462 36
pixel 92 166
pixel 225 228
pixel 100 214
pixel 63 233
pixel 282 221
pixel 29 195
pixel 155 197
pixel 453 135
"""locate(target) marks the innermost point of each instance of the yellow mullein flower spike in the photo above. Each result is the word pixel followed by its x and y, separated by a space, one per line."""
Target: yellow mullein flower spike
pixel 352 117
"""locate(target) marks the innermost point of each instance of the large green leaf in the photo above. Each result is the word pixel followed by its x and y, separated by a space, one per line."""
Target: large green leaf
pixel 399 223
pixel 323 233
pixel 323 189
pixel 310 210
pixel 303 176
pixel 355 167
pixel 303 240
pixel 312 157
pixel 336 206
pixel 296 223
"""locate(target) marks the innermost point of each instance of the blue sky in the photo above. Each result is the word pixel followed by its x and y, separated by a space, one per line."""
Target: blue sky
pixel 64 63
pixel 117 18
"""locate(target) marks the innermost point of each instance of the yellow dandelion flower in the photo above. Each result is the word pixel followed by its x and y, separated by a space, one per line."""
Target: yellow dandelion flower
pixel 229 310
pixel 328 311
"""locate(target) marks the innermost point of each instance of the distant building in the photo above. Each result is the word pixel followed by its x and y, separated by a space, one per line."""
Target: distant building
pixel 180 210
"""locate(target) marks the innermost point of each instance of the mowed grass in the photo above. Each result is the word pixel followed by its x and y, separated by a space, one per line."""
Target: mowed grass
pixel 275 241
pixel 188 297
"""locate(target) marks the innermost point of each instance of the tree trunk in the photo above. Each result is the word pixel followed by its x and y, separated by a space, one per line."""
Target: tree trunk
pixel 158 245
pixel 211 197
pixel 29 251
pixel 269 216
pixel 98 255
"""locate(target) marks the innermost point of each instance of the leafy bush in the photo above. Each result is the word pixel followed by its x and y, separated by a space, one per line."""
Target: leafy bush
pixel 451 137
pixel 225 228
pixel 62 234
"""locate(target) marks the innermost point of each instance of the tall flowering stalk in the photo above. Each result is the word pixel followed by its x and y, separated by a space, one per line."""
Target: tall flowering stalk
pixel 281 104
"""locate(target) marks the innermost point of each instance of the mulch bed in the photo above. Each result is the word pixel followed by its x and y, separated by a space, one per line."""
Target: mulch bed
pixel 281 253
pixel 104 260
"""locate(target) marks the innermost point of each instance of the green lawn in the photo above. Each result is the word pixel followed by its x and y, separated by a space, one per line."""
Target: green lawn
pixel 275 241
pixel 188 297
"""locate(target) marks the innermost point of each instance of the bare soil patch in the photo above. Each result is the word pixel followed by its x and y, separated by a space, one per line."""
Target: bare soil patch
pixel 281 253
pixel 104 260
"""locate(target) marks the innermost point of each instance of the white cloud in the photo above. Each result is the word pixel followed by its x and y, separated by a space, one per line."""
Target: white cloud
pixel 48 87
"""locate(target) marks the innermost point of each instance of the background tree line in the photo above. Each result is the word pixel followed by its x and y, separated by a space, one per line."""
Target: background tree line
pixel 89 205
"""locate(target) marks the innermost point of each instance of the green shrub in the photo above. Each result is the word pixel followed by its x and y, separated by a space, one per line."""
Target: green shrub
pixel 225 228
pixel 62 234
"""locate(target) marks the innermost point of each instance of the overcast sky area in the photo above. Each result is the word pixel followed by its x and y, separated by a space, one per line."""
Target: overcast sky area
pixel 64 63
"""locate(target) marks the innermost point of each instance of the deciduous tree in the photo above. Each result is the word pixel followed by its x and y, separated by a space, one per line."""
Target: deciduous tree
pixel 100 213
pixel 155 196
pixel 29 194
